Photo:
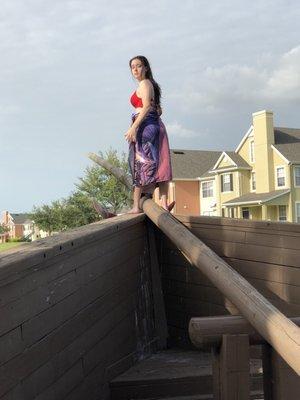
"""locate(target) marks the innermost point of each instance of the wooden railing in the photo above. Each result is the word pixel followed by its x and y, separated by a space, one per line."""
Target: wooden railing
pixel 229 338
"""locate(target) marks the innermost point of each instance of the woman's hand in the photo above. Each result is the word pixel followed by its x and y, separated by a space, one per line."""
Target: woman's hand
pixel 130 135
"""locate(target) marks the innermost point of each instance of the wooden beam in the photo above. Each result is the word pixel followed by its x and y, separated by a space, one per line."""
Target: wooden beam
pixel 118 173
pixel 274 326
pixel 206 332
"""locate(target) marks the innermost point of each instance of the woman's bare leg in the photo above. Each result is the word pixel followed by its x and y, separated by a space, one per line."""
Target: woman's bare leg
pixel 136 201
pixel 149 189
pixel 163 193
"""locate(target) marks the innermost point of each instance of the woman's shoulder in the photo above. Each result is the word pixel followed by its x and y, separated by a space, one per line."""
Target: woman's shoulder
pixel 145 83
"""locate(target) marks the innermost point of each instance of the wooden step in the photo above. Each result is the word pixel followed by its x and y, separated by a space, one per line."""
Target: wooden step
pixel 175 374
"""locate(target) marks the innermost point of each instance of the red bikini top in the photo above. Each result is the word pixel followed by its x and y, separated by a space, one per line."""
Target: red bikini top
pixel 136 101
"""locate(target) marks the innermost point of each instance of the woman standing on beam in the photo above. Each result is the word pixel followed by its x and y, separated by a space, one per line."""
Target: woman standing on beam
pixel 149 153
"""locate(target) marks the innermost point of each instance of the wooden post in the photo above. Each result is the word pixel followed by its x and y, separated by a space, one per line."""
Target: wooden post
pixel 267 371
pixel 280 381
pixel 231 369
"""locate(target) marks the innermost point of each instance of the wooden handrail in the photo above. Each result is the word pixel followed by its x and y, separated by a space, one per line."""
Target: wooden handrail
pixel 207 332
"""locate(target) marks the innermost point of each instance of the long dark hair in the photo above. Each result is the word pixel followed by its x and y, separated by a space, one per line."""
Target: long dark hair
pixel 148 75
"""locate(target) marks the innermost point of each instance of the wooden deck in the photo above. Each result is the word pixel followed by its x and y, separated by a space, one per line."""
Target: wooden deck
pixel 175 374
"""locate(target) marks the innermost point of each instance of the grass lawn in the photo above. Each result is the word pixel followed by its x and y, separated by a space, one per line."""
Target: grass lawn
pixel 9 245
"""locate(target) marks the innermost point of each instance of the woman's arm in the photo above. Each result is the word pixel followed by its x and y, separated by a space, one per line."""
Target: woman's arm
pixel 146 94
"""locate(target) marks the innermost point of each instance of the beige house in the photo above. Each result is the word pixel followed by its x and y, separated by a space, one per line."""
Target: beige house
pixel 259 180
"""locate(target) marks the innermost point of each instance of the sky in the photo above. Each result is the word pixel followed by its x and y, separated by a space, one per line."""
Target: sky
pixel 65 82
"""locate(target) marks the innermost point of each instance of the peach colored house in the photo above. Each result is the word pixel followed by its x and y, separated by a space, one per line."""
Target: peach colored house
pixel 189 168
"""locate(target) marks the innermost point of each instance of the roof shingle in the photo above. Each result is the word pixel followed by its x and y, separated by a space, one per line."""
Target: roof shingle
pixel 254 198
pixel 287 142
pixel 191 164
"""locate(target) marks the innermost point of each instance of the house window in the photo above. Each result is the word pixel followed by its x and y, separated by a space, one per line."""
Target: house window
pixel 280 177
pixel 297 176
pixel 245 213
pixel 208 189
pixel 282 213
pixel 226 183
pixel 251 150
pixel 231 212
pixel 298 212
pixel 253 181
pixel 223 212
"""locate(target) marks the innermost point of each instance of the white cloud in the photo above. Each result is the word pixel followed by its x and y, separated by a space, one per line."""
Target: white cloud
pixel 9 109
pixel 272 80
pixel 284 81
pixel 177 130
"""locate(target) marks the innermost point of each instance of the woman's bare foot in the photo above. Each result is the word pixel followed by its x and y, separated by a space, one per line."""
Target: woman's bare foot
pixel 135 211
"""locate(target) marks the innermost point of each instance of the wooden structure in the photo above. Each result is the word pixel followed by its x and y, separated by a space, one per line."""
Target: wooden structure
pixel 275 327
pixel 70 326
pixel 76 311
pixel 80 308
pixel 267 255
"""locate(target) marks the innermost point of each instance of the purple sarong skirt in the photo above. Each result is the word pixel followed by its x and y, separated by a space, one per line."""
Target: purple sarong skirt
pixel 149 156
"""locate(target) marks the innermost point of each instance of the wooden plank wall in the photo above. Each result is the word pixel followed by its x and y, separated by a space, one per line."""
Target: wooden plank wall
pixel 76 311
pixel 265 253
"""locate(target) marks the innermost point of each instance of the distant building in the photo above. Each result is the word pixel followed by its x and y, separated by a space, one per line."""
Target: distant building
pixel 260 180
pixel 189 167
pixel 20 226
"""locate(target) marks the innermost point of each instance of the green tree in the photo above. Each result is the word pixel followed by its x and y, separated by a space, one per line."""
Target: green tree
pixel 99 184
pixel 77 209
pixel 3 229
pixel 46 217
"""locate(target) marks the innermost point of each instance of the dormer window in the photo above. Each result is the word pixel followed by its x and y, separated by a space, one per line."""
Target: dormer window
pixel 251 151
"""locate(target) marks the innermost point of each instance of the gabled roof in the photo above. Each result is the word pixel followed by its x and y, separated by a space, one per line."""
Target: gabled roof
pixel 247 134
pixel 20 218
pixel 256 198
pixel 287 142
pixel 191 164
pixel 236 159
